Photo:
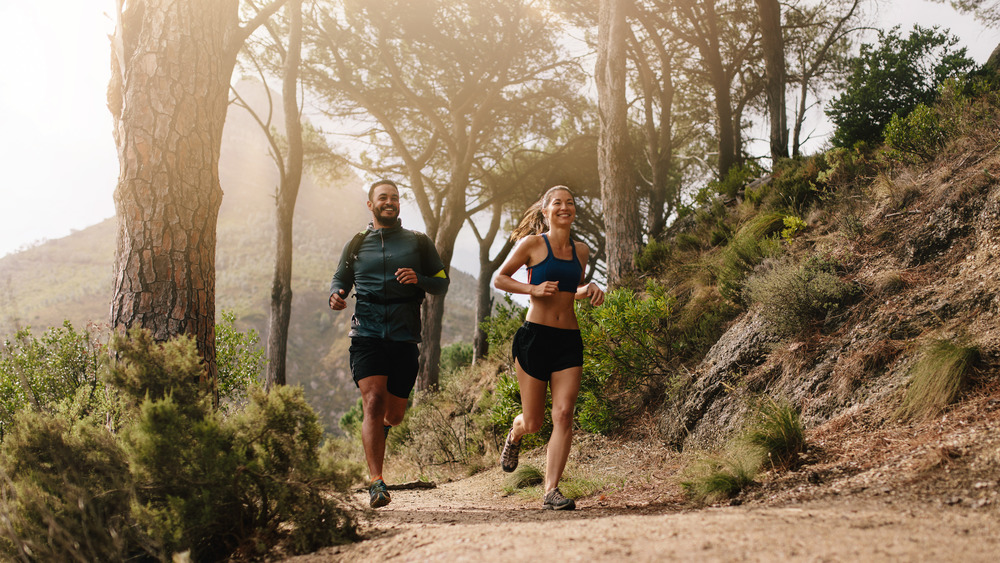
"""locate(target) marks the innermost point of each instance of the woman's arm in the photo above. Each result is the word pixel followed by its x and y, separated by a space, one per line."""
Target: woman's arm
pixel 591 290
pixel 521 256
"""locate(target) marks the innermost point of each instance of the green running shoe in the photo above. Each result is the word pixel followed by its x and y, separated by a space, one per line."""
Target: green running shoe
pixel 379 494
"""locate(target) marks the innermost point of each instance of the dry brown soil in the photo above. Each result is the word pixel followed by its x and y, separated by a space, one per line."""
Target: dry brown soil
pixel 928 492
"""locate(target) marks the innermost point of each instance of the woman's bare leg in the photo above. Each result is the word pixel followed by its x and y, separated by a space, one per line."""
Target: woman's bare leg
pixel 565 388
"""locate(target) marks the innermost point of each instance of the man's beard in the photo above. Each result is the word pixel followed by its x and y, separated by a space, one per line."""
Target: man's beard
pixel 386 221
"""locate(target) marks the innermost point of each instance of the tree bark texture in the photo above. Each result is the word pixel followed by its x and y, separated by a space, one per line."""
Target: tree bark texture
pixel 769 12
pixel 618 194
pixel 288 191
pixel 172 62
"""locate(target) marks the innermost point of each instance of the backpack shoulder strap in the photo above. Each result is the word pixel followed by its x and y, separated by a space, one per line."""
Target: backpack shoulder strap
pixel 353 247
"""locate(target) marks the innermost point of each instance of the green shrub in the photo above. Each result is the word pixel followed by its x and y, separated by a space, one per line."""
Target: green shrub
pixel 66 491
pixel 918 137
pixel 793 295
pixel 652 256
pixel 44 372
pixel 777 430
pixel 751 244
pixel 178 476
pixel 506 407
pixel 793 225
pixel 455 357
pixel 239 359
pixel 937 378
pixel 502 324
pixel 730 186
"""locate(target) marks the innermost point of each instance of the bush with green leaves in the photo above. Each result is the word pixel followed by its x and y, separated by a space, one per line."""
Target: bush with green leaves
pixel 178 475
pixel 455 357
pixel 891 78
pixel 736 178
pixel 41 372
pixel 939 375
pixel 239 359
pixel 918 137
pixel 623 354
pixel 791 295
pixel 502 324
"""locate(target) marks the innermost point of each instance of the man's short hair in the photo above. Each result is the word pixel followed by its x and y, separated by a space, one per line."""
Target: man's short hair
pixel 378 183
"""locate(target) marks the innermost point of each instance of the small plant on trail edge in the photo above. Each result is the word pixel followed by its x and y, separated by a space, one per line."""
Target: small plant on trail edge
pixel 719 477
pixel 777 430
pixel 526 475
pixel 937 378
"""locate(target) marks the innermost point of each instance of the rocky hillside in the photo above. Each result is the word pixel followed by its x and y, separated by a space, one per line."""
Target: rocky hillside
pixel 70 278
pixel 919 244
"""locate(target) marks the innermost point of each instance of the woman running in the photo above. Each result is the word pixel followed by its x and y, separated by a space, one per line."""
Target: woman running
pixel 547 349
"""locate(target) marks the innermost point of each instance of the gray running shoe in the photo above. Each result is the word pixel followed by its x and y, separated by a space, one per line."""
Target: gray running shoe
pixel 554 500
pixel 508 457
pixel 379 494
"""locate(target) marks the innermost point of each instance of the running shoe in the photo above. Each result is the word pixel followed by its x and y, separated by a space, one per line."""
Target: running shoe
pixel 554 500
pixel 508 457
pixel 379 494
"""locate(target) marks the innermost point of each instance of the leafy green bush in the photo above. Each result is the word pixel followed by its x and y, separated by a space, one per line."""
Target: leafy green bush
pixel 777 430
pixel 506 407
pixel 455 357
pixel 179 476
pixel 652 256
pixel 917 137
pixel 892 78
pixel 623 353
pixel 795 185
pixel 239 359
pixel 44 372
pixel 502 324
pixel 736 178
pixel 937 378
pixel 793 225
pixel 793 295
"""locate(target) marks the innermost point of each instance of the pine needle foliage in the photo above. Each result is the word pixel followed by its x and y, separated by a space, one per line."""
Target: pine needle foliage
pixel 937 378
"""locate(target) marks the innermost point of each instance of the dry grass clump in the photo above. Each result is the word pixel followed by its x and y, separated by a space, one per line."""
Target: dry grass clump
pixel 937 378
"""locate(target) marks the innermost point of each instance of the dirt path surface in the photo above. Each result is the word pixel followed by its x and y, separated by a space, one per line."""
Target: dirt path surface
pixel 463 521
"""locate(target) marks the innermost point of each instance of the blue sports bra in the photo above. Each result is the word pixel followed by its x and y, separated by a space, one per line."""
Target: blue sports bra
pixel 566 272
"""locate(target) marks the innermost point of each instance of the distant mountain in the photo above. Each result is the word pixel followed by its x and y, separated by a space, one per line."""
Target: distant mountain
pixel 71 278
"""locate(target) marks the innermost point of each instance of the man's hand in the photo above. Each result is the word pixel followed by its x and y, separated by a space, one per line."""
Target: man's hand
pixel 406 276
pixel 337 302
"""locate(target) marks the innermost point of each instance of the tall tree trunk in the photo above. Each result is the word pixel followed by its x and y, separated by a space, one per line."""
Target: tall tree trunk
pixel 171 67
pixel 618 195
pixel 288 191
pixel 432 313
pixel 484 287
pixel 169 94
pixel 769 12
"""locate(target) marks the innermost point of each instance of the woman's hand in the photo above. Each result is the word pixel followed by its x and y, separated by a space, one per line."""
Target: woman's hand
pixel 594 293
pixel 545 289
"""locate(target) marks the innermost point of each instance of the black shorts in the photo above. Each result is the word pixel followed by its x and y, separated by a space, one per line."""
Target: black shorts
pixel 542 350
pixel 399 361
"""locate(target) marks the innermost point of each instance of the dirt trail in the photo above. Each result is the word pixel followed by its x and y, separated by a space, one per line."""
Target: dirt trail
pixel 469 520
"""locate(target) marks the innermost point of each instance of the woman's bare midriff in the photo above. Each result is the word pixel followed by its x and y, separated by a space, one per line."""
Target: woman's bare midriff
pixel 555 311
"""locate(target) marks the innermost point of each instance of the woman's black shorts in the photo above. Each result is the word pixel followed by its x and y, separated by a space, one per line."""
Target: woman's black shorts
pixel 397 360
pixel 542 350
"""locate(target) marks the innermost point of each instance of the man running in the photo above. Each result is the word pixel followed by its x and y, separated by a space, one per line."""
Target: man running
pixel 391 268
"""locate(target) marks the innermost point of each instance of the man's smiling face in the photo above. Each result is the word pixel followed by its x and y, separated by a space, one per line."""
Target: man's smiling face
pixel 384 205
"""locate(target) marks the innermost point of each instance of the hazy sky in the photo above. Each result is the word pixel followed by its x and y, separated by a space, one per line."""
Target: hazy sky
pixel 57 155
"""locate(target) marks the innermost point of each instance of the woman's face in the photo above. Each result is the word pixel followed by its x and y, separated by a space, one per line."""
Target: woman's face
pixel 560 209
